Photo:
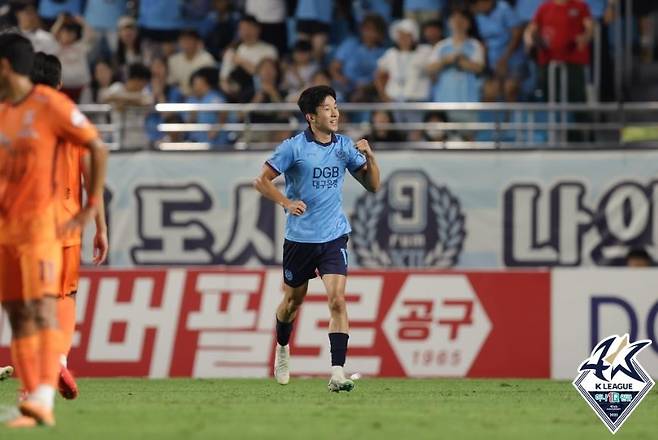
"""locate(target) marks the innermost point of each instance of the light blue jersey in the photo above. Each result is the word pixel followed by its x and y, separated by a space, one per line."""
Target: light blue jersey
pixel 314 174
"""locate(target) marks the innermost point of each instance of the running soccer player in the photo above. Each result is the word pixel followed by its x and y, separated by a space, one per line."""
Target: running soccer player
pixel 72 165
pixel 314 164
pixel 34 122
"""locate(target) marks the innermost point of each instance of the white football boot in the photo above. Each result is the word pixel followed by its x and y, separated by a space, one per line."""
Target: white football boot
pixel 6 372
pixel 338 381
pixel 282 364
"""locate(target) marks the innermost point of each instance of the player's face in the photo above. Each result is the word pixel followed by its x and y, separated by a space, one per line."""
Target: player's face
pixel 326 115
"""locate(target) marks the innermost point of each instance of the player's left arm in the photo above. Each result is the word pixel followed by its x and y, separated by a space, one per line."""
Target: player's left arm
pixel 101 244
pixel 368 174
pixel 96 180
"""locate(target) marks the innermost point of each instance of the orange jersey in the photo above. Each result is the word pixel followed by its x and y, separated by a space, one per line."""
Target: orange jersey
pixel 31 132
pixel 69 188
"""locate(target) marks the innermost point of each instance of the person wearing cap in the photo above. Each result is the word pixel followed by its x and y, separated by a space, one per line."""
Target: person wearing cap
pixel 191 57
pixel 401 75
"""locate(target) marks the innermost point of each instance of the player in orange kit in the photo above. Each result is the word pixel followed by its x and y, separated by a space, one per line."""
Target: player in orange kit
pixel 36 121
pixel 72 164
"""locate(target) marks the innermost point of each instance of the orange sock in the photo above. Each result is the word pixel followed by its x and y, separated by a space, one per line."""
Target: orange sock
pixel 25 355
pixel 66 317
pixel 50 350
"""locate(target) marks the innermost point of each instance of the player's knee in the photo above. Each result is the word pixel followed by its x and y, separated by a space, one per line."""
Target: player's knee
pixel 21 317
pixel 337 304
pixel 46 313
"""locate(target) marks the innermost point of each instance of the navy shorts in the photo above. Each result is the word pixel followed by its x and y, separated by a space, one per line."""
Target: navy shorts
pixel 303 261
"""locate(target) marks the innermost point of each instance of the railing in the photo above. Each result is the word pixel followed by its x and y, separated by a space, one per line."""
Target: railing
pixel 522 125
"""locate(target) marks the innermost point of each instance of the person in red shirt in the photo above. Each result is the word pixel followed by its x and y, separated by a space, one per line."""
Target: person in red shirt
pixel 561 31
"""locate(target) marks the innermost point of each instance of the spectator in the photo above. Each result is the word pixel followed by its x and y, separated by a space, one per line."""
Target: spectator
pixel 161 91
pixel 603 14
pixel 355 62
pixel 313 24
pixel 126 99
pixel 160 20
pixel 103 78
pixel 435 134
pixel 204 90
pixel 526 10
pixel 103 17
pixel 401 75
pixel 323 78
pixel 49 10
pixel 423 10
pixel 457 61
pixel 220 28
pixel 299 72
pixel 378 133
pixel 644 10
pixel 432 32
pixel 29 24
pixel 267 89
pixel 561 31
pixel 75 38
pixel 192 57
pixel 172 136
pixel 501 32
pixel 271 14
pixel 638 258
pixel 239 64
pixel 129 48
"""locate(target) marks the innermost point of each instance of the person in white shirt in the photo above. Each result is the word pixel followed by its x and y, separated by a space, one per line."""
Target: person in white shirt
pixel 192 57
pixel 29 24
pixel 401 75
pixel 129 100
pixel 271 14
pixel 239 64
pixel 75 40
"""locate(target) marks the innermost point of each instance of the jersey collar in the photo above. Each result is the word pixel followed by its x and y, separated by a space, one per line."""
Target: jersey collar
pixel 308 134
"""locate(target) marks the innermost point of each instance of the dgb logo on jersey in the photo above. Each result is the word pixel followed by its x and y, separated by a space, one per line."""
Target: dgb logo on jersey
pixel 410 222
pixel 612 381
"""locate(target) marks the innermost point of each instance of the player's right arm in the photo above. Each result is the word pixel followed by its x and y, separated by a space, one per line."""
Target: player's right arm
pixel 263 183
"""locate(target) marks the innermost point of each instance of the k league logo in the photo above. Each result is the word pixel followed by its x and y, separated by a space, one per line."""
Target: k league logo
pixel 410 222
pixel 612 381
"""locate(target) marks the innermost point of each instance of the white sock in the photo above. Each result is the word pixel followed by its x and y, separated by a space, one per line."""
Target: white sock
pixel 63 361
pixel 337 372
pixel 44 395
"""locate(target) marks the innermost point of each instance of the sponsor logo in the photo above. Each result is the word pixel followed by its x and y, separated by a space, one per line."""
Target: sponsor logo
pixel 612 381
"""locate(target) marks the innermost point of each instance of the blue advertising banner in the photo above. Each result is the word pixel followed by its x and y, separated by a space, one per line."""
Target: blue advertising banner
pixel 475 209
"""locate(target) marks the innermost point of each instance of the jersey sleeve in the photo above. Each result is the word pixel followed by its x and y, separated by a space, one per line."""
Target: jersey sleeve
pixel 69 123
pixel 283 158
pixel 355 160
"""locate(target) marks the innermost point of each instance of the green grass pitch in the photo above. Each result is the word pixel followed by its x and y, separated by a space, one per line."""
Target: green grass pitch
pixel 400 409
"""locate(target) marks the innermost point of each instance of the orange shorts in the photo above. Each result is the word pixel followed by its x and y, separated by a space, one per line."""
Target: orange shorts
pixel 30 271
pixel 70 270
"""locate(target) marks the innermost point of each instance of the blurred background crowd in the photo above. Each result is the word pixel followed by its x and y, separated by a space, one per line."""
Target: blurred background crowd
pixel 139 53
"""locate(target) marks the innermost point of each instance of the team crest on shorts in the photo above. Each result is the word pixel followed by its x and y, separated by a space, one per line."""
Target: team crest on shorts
pixel 612 381
pixel 410 222
pixel 287 274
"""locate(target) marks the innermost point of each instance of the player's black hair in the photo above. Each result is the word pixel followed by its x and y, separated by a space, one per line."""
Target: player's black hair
pixel 46 69
pixel 640 254
pixel 250 19
pixel 190 32
pixel 209 74
pixel 18 51
pixel 313 97
pixel 139 71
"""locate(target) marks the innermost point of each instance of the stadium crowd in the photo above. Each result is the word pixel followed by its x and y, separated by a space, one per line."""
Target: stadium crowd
pixel 129 53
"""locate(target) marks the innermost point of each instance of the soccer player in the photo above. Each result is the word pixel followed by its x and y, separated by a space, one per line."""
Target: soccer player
pixel 72 165
pixel 35 121
pixel 314 164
